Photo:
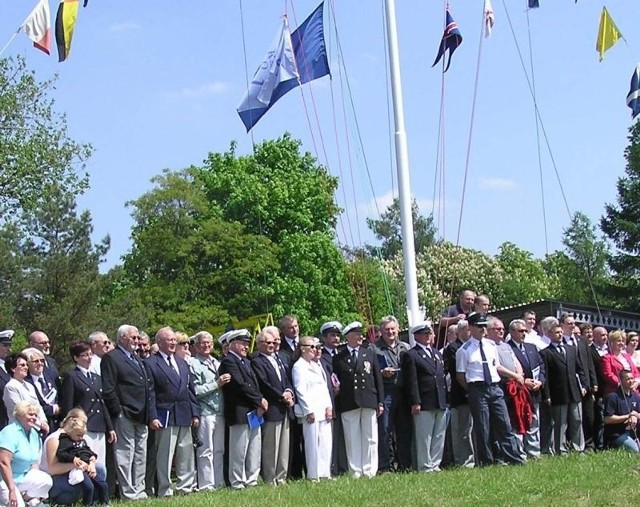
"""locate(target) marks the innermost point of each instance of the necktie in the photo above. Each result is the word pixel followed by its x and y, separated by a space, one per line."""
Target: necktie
pixel 429 352
pixel 561 349
pixel 354 357
pixel 43 387
pixel 485 366
pixel 524 354
pixel 333 352
pixel 172 364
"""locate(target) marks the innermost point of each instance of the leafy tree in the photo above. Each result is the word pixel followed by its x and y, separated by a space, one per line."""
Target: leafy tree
pixel 524 278
pixel 61 283
pixel 36 153
pixel 388 230
pixel 621 224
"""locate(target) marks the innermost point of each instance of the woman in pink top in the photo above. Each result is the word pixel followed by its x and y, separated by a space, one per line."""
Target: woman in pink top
pixel 617 360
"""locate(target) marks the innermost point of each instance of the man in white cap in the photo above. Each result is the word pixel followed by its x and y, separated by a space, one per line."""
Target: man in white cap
pixel 242 397
pixel 425 384
pixel 359 402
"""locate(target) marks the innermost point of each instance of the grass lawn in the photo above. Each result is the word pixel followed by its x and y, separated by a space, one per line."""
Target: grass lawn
pixel 609 478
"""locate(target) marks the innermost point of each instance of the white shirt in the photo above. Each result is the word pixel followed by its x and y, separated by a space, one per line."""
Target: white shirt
pixel 274 363
pixel 469 360
pixel 94 367
pixel 541 342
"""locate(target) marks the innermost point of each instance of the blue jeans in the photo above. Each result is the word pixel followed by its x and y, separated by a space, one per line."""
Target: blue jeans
pixel 628 441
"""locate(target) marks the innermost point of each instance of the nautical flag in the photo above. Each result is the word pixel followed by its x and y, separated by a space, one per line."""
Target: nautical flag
pixel 451 39
pixel 489 18
pixel 534 4
pixel 633 99
pixel 608 33
pixel 65 24
pixel 301 57
pixel 38 26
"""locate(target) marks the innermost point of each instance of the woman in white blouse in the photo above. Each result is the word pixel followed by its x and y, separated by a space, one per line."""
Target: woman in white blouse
pixel 313 408
pixel 18 389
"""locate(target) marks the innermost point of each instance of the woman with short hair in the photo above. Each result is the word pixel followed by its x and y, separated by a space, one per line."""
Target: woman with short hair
pixel 18 389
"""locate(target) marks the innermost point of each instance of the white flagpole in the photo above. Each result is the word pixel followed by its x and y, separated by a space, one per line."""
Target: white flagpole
pixel 10 40
pixel 414 313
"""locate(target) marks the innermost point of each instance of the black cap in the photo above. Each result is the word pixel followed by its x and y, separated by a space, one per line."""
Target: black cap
pixel 477 319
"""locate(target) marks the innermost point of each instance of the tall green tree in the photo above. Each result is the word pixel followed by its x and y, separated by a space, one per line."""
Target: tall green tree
pixel 36 152
pixel 388 230
pixel 621 225
pixel 524 278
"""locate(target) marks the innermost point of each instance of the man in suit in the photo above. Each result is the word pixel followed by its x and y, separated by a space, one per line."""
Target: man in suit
pixel 39 340
pixel 562 392
pixel 173 410
pixel 534 377
pixel 598 348
pixel 359 402
pixel 242 396
pixel 330 333
pixel 6 337
pixel 127 392
pixel 568 324
pixel 424 382
pixel 290 338
pixel 394 425
pixel 44 388
pixel 82 388
pixel 99 342
pixel 274 384
pixel 461 424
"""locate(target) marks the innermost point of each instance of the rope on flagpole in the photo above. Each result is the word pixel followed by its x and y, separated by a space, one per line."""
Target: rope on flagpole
pixel 10 40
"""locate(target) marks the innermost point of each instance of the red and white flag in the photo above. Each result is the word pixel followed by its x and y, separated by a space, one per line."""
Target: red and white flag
pixel 489 18
pixel 38 26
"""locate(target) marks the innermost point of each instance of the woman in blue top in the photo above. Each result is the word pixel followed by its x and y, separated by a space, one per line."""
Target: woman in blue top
pixel 20 446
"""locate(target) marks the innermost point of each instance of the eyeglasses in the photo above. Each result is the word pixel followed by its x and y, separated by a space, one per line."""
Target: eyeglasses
pixel 37 361
pixel 268 343
pixel 317 347
pixel 135 337
pixel 520 330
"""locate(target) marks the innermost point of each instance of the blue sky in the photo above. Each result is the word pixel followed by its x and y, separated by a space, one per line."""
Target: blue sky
pixel 155 85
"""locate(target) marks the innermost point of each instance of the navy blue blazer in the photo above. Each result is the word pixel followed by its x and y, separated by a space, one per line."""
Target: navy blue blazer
pixel 172 397
pixel 4 378
pixel 272 388
pixel 242 394
pixel 424 377
pixel 52 419
pixel 360 383
pixel 79 391
pixel 126 386
pixel 530 360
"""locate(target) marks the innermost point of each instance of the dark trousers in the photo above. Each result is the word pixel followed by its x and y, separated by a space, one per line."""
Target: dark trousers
pixel 490 418
pixel 297 466
pixel 395 429
pixel 588 418
pixel 598 424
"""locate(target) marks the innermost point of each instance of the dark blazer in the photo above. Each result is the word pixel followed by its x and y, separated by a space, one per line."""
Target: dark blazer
pixel 4 378
pixel 272 388
pixel 360 383
pixel 79 391
pixel 424 378
pixel 126 387
pixel 596 358
pixel 530 360
pixel 562 385
pixel 52 419
pixel 326 360
pixel 51 372
pixel 458 395
pixel 172 396
pixel 286 350
pixel 241 394
pixel 584 356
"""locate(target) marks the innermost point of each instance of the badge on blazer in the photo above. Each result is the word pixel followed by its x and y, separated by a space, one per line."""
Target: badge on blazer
pixel 367 367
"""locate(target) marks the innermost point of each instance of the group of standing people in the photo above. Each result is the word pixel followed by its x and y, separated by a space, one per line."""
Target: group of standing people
pixel 302 406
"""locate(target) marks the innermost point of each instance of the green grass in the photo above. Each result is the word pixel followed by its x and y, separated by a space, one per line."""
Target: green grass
pixel 609 478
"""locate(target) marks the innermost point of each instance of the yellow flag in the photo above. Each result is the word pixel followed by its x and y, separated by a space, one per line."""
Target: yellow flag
pixel 608 33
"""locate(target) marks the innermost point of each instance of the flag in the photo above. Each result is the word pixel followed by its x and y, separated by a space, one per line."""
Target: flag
pixel 534 4
pixel 451 39
pixel 38 26
pixel 65 24
pixel 608 33
pixel 489 18
pixel 633 99
pixel 302 57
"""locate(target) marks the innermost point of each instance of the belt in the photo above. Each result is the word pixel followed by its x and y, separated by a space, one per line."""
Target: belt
pixel 482 383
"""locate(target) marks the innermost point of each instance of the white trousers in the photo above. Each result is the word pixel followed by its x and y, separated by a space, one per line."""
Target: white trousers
pixel 175 441
pixel 430 427
pixel 244 456
pixel 36 484
pixel 361 440
pixel 318 444
pixel 210 455
pixel 97 443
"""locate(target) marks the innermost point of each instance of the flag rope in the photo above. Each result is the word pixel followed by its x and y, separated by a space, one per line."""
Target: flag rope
pixel 4 48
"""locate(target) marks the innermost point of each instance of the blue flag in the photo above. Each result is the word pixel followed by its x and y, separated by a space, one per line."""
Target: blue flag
pixel 293 59
pixel 451 39
pixel 633 99
pixel 534 4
